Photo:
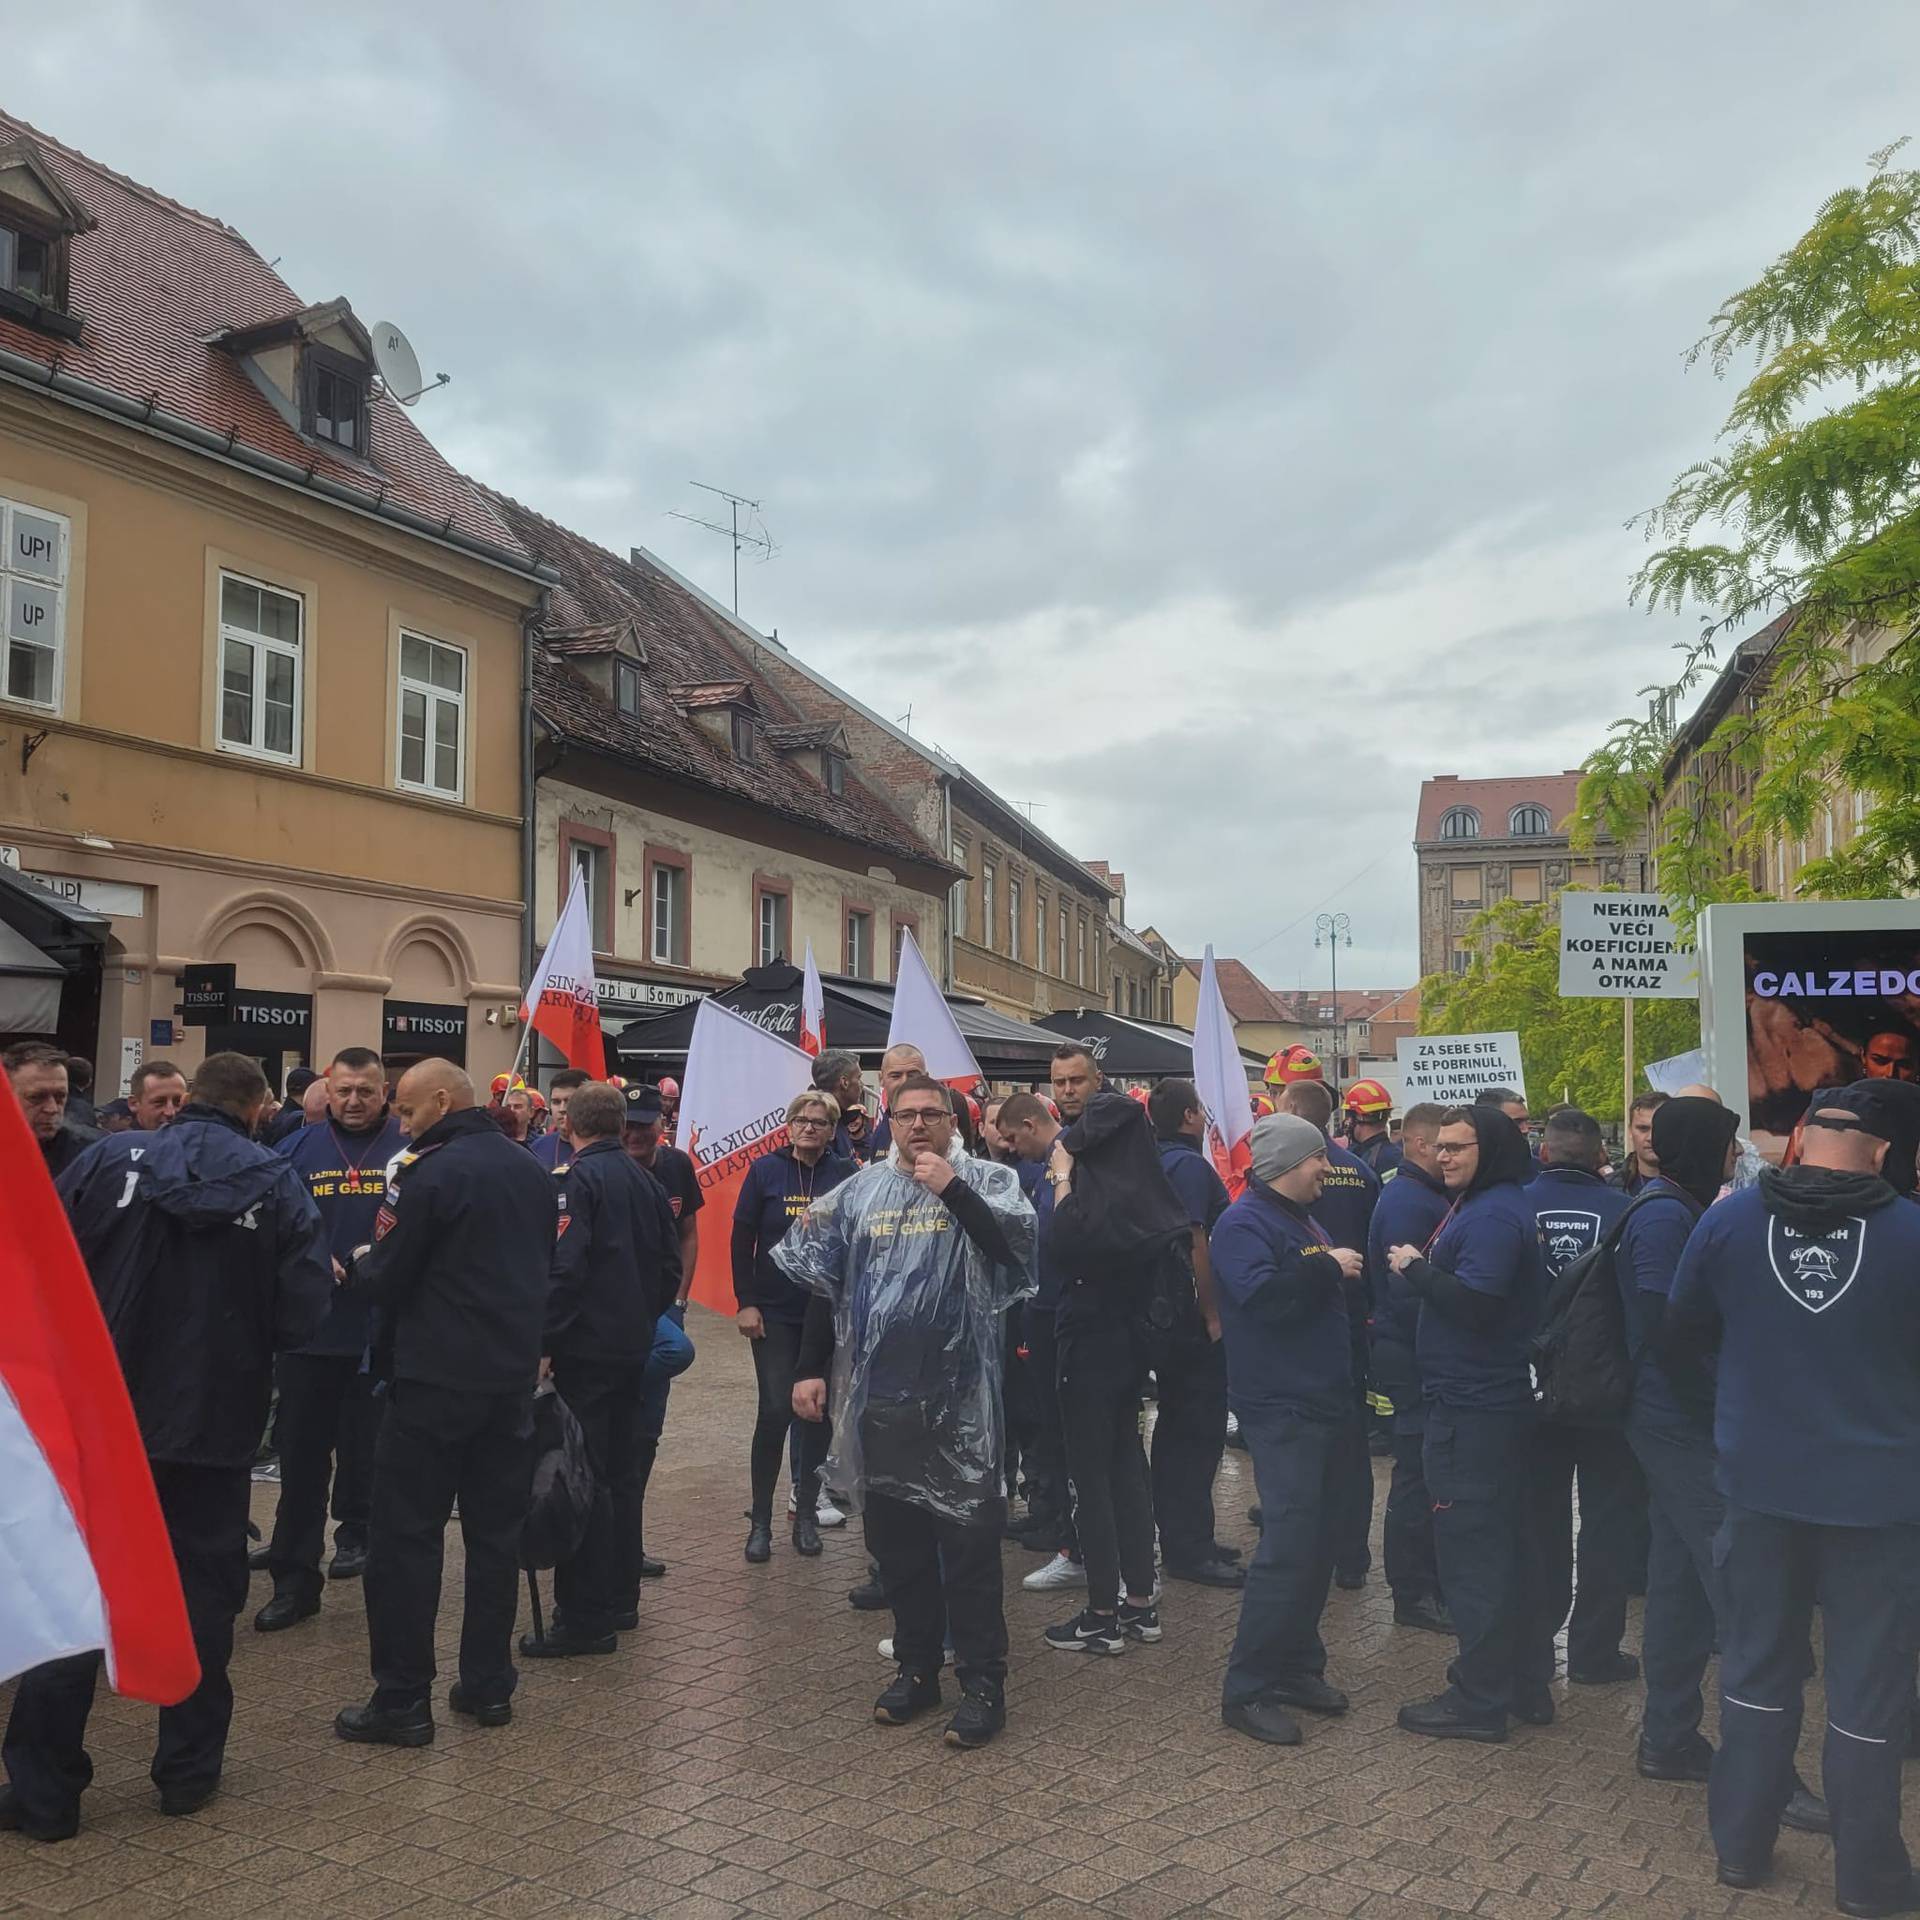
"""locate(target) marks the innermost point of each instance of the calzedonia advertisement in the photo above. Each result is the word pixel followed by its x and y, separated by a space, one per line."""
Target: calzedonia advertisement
pixel 1807 994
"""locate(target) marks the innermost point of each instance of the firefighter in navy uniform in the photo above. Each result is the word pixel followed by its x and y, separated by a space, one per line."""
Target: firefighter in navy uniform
pixel 208 1257
pixel 460 1267
pixel 1805 1284
pixel 616 1269
pixel 1369 1109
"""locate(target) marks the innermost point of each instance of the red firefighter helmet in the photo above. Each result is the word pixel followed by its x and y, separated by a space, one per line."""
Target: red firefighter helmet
pixel 1262 1106
pixel 669 1088
pixel 1369 1099
pixel 1293 1063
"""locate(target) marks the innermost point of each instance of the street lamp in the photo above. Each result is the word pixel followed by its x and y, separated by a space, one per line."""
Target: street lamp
pixel 1332 929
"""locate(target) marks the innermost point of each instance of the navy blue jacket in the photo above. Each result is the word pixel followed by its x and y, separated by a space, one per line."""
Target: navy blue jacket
pixel 1383 1153
pixel 775 1193
pixel 1283 1317
pixel 616 1263
pixel 208 1258
pixel 1574 1209
pixel 346 1176
pixel 1409 1211
pixel 1817 1408
pixel 462 1257
pixel 1492 1245
pixel 1644 1263
pixel 1195 1184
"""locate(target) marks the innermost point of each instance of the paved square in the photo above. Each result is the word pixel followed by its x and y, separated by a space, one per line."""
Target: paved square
pixel 725 1763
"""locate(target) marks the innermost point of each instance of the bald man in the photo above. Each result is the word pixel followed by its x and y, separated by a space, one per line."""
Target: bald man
pixel 459 1264
pixel 895 1064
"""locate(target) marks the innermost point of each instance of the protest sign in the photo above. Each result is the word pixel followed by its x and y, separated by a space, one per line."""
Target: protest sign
pixel 1679 1070
pixel 1451 1069
pixel 1619 946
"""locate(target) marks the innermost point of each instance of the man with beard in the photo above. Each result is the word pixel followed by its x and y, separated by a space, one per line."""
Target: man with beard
pixel 1805 1283
pixel 1480 1285
pixel 329 1417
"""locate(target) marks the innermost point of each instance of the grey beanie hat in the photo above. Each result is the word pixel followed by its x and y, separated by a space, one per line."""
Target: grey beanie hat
pixel 1280 1142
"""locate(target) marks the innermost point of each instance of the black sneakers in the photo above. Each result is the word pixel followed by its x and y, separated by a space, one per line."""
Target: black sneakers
pixel 981 1714
pixel 386 1726
pixel 910 1694
pixel 1090 1632
pixel 562 1643
pixel 1444 1718
pixel 1426 1613
pixel 1310 1693
pixel 1262 1720
pixel 1141 1624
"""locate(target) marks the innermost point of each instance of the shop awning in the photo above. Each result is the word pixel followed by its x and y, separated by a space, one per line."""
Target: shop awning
pixel 61 929
pixel 29 985
pixel 1133 1049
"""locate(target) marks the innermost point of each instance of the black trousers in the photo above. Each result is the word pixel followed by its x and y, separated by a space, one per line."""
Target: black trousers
pixel 326 1428
pixel 1103 1368
pixel 604 1396
pixel 1353 1496
pixel 1613 1495
pixel 1476 1465
pixel 942 1579
pixel 1866 1581
pixel 1189 1436
pixel 1296 1468
pixel 1049 1498
pixel 205 1509
pixel 1685 1511
pixel 776 1355
pixel 1406 1534
pixel 438 1445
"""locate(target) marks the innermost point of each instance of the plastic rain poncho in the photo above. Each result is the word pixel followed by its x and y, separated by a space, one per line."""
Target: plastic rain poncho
pixel 919 1331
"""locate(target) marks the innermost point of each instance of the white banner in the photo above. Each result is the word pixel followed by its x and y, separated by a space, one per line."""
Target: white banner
pixel 813 1008
pixel 922 1018
pixel 1220 1077
pixel 1453 1069
pixel 1623 946
pixel 1679 1070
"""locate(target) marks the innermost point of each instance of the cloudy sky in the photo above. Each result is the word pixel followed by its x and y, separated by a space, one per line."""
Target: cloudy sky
pixel 1207 420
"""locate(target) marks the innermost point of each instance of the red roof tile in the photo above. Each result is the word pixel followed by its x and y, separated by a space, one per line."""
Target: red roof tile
pixel 1495 800
pixel 154 281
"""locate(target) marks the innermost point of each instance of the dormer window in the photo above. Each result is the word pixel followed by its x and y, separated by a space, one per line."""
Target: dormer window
pixel 334 401
pixel 38 220
pixel 626 686
pixel 742 734
pixel 26 264
pixel 833 774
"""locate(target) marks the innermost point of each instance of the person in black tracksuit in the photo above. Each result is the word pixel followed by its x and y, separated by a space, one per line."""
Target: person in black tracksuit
pixel 208 1256
pixel 615 1263
pixel 778 1189
pixel 460 1266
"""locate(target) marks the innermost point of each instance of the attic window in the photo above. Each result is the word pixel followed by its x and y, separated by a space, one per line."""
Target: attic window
pixel 833 774
pixel 26 264
pixel 333 402
pixel 626 686
pixel 742 734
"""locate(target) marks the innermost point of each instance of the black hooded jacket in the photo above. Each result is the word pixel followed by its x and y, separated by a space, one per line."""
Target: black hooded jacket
pixel 1690 1141
pixel 1122 1220
pixel 209 1257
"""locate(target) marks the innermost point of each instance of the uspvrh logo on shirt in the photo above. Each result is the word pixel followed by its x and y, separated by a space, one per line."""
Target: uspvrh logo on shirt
pixel 1568 1232
pixel 1816 1268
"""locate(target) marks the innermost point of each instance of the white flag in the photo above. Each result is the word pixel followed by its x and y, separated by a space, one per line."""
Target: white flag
pixel 922 1018
pixel 813 1009
pixel 1221 1079
pixel 564 1000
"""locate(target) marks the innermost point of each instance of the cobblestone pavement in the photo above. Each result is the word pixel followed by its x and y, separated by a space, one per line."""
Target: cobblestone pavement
pixel 725 1763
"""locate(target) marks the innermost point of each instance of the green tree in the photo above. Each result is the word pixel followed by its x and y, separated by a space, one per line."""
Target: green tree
pixel 1571 1049
pixel 1807 515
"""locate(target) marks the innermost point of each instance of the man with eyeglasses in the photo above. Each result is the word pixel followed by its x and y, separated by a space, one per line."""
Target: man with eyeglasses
pixel 913 1264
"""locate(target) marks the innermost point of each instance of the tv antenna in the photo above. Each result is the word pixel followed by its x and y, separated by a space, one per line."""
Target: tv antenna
pixel 1029 806
pixel 762 540
pixel 399 365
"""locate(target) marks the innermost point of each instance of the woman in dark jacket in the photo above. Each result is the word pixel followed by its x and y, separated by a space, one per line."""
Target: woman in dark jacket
pixel 778 1189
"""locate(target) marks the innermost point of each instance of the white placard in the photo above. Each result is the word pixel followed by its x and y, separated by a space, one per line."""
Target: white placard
pixel 1623 946
pixel 132 1052
pixel 1452 1069
pixel 1679 1070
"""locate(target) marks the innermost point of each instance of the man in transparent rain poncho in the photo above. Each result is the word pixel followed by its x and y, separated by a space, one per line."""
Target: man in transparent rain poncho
pixel 913 1264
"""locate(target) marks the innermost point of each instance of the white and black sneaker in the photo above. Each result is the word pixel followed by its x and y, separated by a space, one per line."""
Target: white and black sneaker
pixel 1141 1624
pixel 1088 1632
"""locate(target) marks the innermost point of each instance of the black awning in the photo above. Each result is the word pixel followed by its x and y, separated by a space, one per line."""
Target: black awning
pixel 1126 1047
pixel 60 929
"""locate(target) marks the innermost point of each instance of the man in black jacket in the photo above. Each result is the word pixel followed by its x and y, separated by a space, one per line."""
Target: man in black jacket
pixel 208 1256
pixel 460 1262
pixel 616 1267
pixel 38 1073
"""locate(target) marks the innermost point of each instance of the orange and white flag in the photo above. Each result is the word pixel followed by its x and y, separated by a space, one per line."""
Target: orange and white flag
pixel 563 1002
pixel 813 1009
pixel 1221 1079
pixel 733 1109
pixel 922 1018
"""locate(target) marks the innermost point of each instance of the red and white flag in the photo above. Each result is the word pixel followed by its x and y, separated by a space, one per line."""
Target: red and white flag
pixel 733 1109
pixel 564 1000
pixel 84 1557
pixel 813 1009
pixel 922 1018
pixel 1221 1078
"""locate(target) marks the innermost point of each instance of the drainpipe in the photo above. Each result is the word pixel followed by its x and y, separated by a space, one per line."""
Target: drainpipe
pixel 946 847
pixel 531 620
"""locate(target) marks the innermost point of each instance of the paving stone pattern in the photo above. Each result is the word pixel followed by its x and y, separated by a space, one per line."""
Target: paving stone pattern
pixel 725 1763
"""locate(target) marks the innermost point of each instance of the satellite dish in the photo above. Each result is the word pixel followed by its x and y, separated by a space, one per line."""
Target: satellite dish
pixel 399 365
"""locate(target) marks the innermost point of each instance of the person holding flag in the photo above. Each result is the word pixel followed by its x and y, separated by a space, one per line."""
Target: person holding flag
pixel 207 1256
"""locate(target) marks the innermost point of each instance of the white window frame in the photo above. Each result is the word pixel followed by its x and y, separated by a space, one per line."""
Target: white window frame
pixel 858 964
pixel 1460 823
pixel 1080 953
pixel 262 646
pixel 669 922
pixel 770 951
pixel 57 585
pixel 989 877
pixel 404 685
pixel 596 862
pixel 1015 907
pixel 1064 917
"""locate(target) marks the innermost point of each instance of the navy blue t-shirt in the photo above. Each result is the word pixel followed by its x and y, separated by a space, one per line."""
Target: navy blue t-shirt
pixel 1053 1278
pixel 1492 1244
pixel 1817 1410
pixel 1644 1262
pixel 347 1177
pixel 775 1193
pixel 1195 1184
pixel 550 1148
pixel 1304 1365
pixel 1574 1210
pixel 1409 1211
pixel 1347 1199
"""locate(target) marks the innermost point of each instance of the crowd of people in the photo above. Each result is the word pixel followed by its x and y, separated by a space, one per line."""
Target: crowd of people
pixel 959 1313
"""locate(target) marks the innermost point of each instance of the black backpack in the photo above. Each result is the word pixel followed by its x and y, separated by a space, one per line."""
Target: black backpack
pixel 1581 1370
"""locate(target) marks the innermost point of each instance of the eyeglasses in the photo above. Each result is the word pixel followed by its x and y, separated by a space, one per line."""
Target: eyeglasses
pixel 921 1116
pixel 810 1120
pixel 1465 1146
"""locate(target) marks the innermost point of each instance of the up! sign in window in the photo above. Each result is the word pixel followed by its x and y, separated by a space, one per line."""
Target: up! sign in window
pixel 33 578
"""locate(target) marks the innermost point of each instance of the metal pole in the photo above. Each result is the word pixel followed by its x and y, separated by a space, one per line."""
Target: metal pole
pixel 736 559
pixel 1626 1036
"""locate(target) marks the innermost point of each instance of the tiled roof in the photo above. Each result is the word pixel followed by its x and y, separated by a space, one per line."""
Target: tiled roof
pixel 154 282
pixel 711 693
pixel 685 653
pixel 1495 800
pixel 817 734
pixel 1249 998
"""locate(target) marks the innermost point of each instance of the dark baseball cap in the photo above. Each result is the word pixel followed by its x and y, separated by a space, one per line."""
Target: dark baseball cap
pixel 643 1104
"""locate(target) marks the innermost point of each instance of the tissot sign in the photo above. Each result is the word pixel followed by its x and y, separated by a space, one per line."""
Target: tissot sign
pixel 424 1027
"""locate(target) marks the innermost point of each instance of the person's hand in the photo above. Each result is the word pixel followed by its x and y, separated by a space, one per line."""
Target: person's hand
pixel 1212 1321
pixel 1400 1258
pixel 750 1323
pixel 339 1272
pixel 934 1171
pixel 810 1399
pixel 1059 1163
pixel 546 1368
pixel 1352 1265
